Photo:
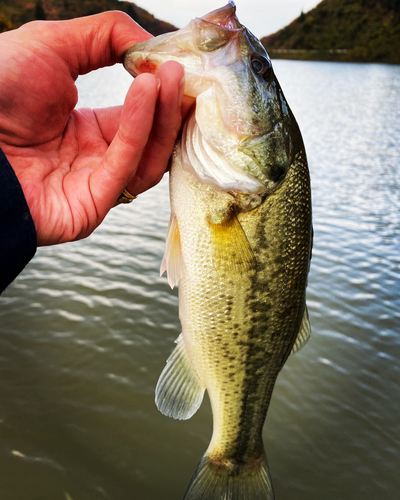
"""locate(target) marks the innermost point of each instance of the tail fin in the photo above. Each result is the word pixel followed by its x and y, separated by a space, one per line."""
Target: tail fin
pixel 230 482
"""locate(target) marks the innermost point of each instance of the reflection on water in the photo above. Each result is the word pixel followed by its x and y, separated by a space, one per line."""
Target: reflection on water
pixel 86 329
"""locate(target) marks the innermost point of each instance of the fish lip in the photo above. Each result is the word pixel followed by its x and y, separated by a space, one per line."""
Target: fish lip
pixel 219 26
pixel 125 61
pixel 230 6
pixel 152 67
pixel 215 30
pixel 133 73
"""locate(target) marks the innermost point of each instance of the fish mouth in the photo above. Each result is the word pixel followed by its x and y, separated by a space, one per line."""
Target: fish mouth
pixel 202 35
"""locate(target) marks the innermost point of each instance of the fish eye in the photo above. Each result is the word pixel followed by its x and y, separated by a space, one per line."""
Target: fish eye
pixel 260 65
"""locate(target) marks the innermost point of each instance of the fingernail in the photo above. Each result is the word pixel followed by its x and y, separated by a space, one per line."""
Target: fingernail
pixel 158 82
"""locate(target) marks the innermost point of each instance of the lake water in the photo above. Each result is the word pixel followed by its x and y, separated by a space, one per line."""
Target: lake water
pixel 87 327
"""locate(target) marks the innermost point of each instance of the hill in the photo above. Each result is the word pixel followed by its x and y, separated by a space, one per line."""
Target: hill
pixel 341 30
pixel 16 12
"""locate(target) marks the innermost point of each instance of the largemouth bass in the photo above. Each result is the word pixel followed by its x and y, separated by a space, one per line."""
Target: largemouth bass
pixel 239 245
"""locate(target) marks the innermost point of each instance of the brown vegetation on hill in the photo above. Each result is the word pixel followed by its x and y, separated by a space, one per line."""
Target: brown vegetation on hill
pixel 17 12
pixel 341 30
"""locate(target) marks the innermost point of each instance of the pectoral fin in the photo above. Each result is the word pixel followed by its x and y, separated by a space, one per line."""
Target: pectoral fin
pixel 232 250
pixel 304 333
pixel 179 392
pixel 173 260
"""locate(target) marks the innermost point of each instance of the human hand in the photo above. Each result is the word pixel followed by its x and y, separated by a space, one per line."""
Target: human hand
pixel 73 164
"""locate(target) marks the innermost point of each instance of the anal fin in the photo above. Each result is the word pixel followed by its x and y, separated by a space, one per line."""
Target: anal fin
pixel 179 392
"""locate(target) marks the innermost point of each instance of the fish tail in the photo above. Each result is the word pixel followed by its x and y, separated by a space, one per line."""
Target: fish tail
pixel 216 480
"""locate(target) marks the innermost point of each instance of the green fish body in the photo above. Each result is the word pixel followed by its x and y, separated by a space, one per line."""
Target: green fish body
pixel 239 245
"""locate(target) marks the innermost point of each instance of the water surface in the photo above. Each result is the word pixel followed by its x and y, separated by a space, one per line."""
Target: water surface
pixel 87 327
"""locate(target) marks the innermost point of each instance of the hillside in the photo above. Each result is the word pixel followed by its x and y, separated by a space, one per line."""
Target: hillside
pixel 341 30
pixel 16 12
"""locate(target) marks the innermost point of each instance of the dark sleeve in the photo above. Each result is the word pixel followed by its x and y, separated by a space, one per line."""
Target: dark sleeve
pixel 17 231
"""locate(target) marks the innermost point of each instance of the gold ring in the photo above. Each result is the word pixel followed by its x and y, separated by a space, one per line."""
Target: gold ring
pixel 126 197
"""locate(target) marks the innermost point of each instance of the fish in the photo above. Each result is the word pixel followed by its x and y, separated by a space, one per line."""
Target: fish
pixel 238 245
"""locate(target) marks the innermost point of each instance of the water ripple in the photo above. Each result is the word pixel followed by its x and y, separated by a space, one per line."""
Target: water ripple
pixel 86 329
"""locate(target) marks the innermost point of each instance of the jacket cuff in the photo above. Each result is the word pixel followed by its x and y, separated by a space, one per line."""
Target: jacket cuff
pixel 18 241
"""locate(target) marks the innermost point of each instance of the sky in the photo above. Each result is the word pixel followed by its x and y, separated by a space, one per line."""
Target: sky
pixel 261 17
